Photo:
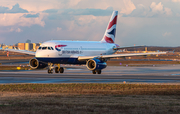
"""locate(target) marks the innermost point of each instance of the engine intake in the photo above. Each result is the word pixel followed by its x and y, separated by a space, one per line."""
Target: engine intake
pixel 95 64
pixel 35 64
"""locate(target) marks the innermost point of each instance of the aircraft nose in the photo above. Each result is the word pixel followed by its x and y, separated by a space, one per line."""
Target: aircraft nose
pixel 39 54
pixel 45 53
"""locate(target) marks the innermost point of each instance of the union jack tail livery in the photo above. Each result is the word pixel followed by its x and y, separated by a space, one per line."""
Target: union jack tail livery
pixel 109 36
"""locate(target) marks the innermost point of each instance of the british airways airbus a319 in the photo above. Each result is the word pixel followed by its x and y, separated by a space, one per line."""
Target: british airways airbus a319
pixel 92 53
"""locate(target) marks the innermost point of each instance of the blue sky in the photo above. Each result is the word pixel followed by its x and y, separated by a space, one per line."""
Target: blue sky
pixel 140 22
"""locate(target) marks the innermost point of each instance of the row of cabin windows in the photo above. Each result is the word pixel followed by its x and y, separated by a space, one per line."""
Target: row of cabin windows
pixel 85 49
pixel 93 48
pixel 45 48
pixel 51 48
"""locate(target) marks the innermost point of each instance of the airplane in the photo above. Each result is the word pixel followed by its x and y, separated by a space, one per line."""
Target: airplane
pixel 92 53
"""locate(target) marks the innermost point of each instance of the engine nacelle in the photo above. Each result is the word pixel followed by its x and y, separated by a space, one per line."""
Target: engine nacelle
pixel 95 64
pixel 35 64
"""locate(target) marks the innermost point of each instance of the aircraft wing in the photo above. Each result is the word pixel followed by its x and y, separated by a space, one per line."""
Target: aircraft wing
pixel 123 47
pixel 118 55
pixel 20 51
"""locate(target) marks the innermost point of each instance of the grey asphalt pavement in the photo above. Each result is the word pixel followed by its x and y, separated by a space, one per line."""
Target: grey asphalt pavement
pixel 112 74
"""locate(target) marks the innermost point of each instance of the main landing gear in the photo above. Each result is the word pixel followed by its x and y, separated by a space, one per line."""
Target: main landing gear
pixel 96 71
pixel 57 69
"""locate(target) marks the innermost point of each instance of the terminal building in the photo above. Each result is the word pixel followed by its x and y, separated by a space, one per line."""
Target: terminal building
pixel 28 46
pixel 22 46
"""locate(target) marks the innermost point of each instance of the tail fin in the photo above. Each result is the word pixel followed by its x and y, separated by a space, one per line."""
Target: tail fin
pixel 109 36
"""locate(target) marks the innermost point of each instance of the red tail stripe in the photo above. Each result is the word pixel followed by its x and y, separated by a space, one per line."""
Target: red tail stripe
pixel 113 22
pixel 108 40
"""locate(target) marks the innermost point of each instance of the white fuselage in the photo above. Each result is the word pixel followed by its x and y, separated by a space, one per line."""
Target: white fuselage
pixel 73 49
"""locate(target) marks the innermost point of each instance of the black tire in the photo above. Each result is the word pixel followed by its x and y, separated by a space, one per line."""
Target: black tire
pixel 56 70
pixel 50 71
pixel 61 70
pixel 94 72
pixel 99 71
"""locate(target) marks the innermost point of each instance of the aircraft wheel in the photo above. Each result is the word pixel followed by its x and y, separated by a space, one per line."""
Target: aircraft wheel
pixel 50 71
pixel 61 70
pixel 56 70
pixel 94 72
pixel 99 71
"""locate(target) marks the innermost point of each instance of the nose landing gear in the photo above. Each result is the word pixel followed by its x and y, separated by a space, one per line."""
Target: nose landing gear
pixel 50 68
pixel 50 71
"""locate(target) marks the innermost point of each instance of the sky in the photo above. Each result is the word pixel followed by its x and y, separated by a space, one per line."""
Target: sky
pixel 140 22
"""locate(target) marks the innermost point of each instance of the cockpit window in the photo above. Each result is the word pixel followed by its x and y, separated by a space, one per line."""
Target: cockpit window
pixel 46 48
pixel 43 48
pixel 49 48
pixel 39 48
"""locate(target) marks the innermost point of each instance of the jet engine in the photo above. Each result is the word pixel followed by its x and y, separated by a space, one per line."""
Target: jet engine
pixel 35 64
pixel 95 64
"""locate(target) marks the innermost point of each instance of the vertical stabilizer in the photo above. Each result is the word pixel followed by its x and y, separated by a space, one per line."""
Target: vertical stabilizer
pixel 109 36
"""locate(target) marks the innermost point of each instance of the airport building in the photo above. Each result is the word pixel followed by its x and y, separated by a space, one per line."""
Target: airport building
pixel 28 46
pixel 34 46
pixel 10 47
pixel 1 45
pixel 21 46
pixel 7 46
